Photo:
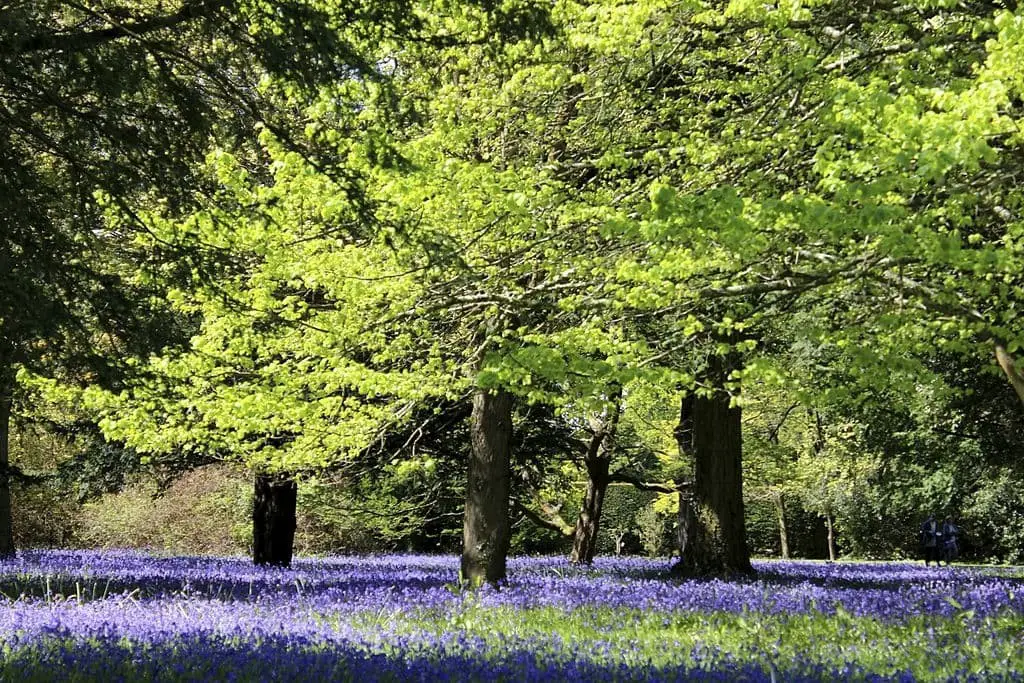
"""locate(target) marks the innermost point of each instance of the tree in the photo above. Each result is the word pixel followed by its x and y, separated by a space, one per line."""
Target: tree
pixel 849 199
pixel 109 110
pixel 131 114
pixel 94 104
pixel 597 461
pixel 565 216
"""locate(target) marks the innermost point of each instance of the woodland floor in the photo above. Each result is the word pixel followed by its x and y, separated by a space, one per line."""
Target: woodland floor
pixel 120 615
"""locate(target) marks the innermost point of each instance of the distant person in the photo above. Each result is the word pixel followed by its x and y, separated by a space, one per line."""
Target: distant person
pixel 950 549
pixel 930 535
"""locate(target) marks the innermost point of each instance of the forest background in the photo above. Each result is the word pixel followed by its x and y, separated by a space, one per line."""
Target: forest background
pixel 500 277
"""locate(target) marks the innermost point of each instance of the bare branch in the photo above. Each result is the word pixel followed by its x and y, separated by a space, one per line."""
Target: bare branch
pixel 622 477
pixel 554 522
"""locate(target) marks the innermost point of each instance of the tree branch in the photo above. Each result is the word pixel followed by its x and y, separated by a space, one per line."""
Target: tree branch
pixel 1013 371
pixel 75 42
pixel 621 477
pixel 554 522
pixel 773 432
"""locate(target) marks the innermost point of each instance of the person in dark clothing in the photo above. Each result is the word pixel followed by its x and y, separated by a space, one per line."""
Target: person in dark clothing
pixel 931 540
pixel 950 549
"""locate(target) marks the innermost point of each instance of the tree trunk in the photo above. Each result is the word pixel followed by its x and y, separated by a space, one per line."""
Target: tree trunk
pixel 715 531
pixel 6 532
pixel 819 446
pixel 273 519
pixel 830 526
pixel 597 460
pixel 584 543
pixel 620 542
pixel 684 440
pixel 780 510
pixel 486 526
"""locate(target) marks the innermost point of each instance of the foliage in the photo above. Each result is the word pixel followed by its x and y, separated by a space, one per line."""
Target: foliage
pixel 619 529
pixel 656 530
pixel 398 211
pixel 48 514
pixel 994 519
pixel 204 511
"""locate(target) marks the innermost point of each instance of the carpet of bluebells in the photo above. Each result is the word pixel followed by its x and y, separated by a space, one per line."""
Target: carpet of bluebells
pixel 108 616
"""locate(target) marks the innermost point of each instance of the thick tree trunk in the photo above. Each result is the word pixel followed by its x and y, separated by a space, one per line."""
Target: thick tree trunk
pixel 780 511
pixel 584 543
pixel 273 519
pixel 715 533
pixel 486 527
pixel 6 532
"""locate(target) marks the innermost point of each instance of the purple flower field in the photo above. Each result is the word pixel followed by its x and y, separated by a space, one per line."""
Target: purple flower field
pixel 119 615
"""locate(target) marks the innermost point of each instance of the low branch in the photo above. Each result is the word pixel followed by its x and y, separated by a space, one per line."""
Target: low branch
pixel 20 476
pixel 1013 371
pixel 656 486
pixel 554 522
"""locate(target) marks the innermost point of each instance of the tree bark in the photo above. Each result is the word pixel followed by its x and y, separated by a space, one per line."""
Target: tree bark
pixel 818 446
pixel 712 527
pixel 597 461
pixel 6 531
pixel 780 510
pixel 584 542
pixel 486 527
pixel 684 440
pixel 273 519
